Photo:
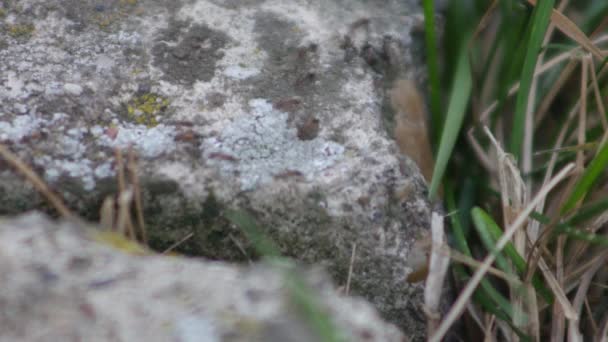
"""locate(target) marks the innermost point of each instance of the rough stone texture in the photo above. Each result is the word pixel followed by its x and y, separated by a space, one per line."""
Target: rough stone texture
pixel 264 106
pixel 60 284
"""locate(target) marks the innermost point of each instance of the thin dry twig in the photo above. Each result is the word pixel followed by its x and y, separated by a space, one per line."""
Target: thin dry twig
pixel 177 243
pixel 557 86
pixel 139 211
pixel 473 263
pixel 36 181
pixel 574 333
pixel 569 28
pixel 124 224
pixel 590 315
pixel 350 268
pixel 240 248
pixel 598 96
pixel 123 221
pixel 544 68
pixel 106 214
pixel 602 336
pixel 488 329
pixel 438 267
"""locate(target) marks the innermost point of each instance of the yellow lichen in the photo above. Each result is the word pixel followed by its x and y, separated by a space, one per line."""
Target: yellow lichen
pixel 119 242
pixel 20 30
pixel 145 108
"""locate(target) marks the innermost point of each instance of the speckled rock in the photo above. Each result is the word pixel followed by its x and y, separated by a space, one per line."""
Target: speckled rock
pixel 59 283
pixel 273 107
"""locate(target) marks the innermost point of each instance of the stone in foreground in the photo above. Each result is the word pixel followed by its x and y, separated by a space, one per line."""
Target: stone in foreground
pixel 59 283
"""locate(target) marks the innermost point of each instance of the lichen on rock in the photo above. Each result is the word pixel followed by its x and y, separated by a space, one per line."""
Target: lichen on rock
pixel 260 103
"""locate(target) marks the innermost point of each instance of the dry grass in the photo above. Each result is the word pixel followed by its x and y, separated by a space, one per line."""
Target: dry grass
pixel 116 211
pixel 546 259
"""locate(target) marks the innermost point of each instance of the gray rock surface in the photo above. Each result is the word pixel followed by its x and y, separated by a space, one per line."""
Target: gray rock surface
pixel 60 284
pixel 273 107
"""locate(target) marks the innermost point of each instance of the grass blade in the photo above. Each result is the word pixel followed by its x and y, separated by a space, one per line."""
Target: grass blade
pixel 577 234
pixel 482 223
pixel 588 212
pixel 590 176
pixel 263 245
pixel 459 98
pixel 493 230
pixel 540 22
pixel 487 295
pixel 302 295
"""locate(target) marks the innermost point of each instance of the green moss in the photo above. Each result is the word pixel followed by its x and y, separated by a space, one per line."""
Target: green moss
pixel 144 109
pixel 2 13
pixel 21 30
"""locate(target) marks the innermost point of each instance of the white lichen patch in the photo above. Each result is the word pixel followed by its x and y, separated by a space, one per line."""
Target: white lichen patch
pixel 240 73
pixel 260 146
pixel 13 86
pixel 81 169
pixel 17 128
pixel 149 142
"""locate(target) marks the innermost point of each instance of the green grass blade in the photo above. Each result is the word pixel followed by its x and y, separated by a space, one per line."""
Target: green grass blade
pixel 433 67
pixel 563 228
pixel 304 297
pixel 495 233
pixel 307 303
pixel 459 98
pixel 481 297
pixel 540 21
pixel 489 296
pixel 482 222
pixel 582 235
pixel 263 245
pixel 589 177
pixel 587 212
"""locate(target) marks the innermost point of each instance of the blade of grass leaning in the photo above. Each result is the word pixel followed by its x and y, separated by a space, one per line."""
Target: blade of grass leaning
pixel 482 221
pixel 587 212
pixel 540 22
pixel 300 293
pixel 492 229
pixel 582 235
pixel 574 233
pixel 511 35
pixel 262 245
pixel 433 67
pixel 589 177
pixel 308 304
pixel 459 98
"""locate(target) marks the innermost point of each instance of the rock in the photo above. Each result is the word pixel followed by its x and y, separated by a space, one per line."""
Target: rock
pixel 275 108
pixel 59 283
pixel 72 89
